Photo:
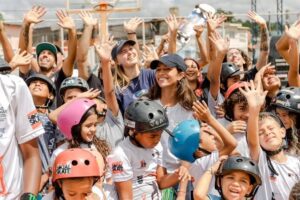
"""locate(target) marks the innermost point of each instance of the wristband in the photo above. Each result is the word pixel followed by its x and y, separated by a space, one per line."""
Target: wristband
pixel 131 33
pixel 28 196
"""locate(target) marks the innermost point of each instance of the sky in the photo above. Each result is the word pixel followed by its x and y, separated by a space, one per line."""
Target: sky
pixel 13 10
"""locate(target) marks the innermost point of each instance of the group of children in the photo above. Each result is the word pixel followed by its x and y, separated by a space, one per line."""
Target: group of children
pixel 168 130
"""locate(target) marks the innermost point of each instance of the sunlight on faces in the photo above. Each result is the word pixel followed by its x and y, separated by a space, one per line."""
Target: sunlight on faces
pixel 46 60
pixel 39 88
pixel 271 82
pixel 241 111
pixel 236 185
pixel 88 128
pixel 270 134
pixel 77 188
pixel 192 71
pixel 235 56
pixel 149 139
pixel 284 117
pixel 128 56
pixel 71 93
pixel 167 76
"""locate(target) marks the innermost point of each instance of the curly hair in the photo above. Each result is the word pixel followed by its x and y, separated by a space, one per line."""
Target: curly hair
pixel 295 192
pixel 229 103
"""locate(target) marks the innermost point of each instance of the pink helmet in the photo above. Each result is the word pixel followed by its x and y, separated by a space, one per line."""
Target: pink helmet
pixel 75 163
pixel 72 114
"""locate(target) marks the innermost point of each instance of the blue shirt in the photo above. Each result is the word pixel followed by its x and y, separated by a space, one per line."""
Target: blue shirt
pixel 214 197
pixel 136 88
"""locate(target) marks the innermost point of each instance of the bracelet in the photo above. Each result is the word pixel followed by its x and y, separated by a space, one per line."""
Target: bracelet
pixel 130 33
pixel 28 196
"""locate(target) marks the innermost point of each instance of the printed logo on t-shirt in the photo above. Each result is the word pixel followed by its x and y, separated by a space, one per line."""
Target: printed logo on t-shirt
pixel 2 114
pixel 117 167
pixel 143 163
pixel 63 169
pixel 34 119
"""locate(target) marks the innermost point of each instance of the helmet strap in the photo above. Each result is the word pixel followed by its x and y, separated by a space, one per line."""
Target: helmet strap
pixel 204 151
pixel 134 140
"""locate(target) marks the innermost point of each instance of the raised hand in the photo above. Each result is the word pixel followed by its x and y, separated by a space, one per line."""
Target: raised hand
pixel 20 59
pixel 104 49
pixel 65 21
pixel 198 30
pixel 255 95
pixel 201 111
pixel 132 24
pixel 90 94
pixel 1 26
pixel 221 45
pixel 215 21
pixel 214 168
pixel 172 22
pixel 183 173
pixel 35 15
pixel 87 18
pixel 237 127
pixel 257 18
pixel 149 54
pixel 294 31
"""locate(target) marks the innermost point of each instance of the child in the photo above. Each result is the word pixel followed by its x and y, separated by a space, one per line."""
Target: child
pixel 237 178
pixel 71 87
pixel 75 171
pixel 136 164
pixel 265 138
pixel 285 105
pixel 78 121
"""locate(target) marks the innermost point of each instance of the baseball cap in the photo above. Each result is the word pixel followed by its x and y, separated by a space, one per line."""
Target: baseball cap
pixel 118 47
pixel 46 46
pixel 170 60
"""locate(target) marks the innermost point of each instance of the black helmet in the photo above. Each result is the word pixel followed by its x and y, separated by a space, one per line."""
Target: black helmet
pixel 228 70
pixel 44 78
pixel 144 115
pixel 4 67
pixel 289 99
pixel 239 163
pixel 73 82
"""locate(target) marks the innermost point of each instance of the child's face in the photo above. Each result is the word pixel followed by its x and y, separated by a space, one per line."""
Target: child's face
pixel 208 140
pixel 284 117
pixel 271 82
pixel 88 128
pixel 232 80
pixel 192 71
pixel 240 112
pixel 167 76
pixel 149 139
pixel 71 94
pixel 236 185
pixel 77 189
pixel 270 134
pixel 39 88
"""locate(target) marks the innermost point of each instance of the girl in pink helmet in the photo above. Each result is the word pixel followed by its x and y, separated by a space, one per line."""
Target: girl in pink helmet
pixel 78 121
pixel 75 171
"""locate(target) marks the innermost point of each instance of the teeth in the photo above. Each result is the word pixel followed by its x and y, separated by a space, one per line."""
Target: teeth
pixel 162 79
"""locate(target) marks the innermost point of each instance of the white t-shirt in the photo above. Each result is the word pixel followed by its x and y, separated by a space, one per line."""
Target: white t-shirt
pixel 212 103
pixel 18 124
pixel 279 186
pixel 129 162
pixel 176 114
pixel 198 168
pixel 108 193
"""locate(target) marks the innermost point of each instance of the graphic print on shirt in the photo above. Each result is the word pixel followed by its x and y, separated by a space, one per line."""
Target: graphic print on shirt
pixel 117 167
pixel 34 119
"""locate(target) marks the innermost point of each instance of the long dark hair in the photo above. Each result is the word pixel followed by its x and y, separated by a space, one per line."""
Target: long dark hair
pixel 185 95
pixel 100 144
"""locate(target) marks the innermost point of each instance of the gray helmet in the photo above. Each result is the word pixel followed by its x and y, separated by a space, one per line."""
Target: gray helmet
pixel 73 82
pixel 4 67
pixel 239 163
pixel 289 99
pixel 228 70
pixel 44 78
pixel 144 115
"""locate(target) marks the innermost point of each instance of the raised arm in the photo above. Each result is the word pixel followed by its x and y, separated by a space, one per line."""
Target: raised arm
pixel 65 21
pixel 164 40
pixel 202 48
pixel 84 44
pixel 202 186
pixel 264 39
pixel 287 47
pixel 173 27
pixel 104 53
pixel 202 113
pixel 130 28
pixel 255 99
pixel 20 59
pixel 221 47
pixel 6 46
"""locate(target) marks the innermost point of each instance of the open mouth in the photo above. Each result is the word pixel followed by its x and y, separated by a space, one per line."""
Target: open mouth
pixel 234 192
